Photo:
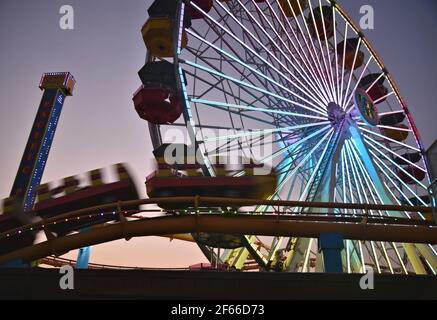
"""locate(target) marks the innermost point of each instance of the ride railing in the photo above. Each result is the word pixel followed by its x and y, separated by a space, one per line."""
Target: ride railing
pixel 209 205
pixel 227 215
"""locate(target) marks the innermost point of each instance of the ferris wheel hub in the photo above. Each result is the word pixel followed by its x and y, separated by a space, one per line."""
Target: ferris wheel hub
pixel 335 113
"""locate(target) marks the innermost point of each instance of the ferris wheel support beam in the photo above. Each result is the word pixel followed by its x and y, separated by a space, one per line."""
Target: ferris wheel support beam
pixel 328 179
pixel 368 164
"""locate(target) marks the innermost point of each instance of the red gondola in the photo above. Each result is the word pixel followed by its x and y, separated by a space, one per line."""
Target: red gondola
pixel 378 90
pixel 157 105
pixel 205 5
pixel 351 48
pixel 294 4
pixel 413 171
pixel 412 157
pixel 94 195
pixel 323 20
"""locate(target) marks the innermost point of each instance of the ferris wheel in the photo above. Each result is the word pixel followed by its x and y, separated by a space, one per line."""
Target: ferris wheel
pixel 294 85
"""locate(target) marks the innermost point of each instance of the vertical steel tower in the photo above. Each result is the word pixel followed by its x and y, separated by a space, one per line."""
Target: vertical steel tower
pixel 56 86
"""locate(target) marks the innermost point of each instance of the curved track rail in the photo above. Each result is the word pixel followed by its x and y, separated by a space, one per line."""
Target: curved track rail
pixel 274 223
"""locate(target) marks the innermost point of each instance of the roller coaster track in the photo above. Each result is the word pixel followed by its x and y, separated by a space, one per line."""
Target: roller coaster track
pixel 58 262
pixel 198 219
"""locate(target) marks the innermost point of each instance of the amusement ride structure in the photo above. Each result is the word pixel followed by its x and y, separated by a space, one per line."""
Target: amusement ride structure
pixel 282 144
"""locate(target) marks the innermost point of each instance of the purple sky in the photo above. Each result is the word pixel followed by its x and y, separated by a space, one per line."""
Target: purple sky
pixel 99 126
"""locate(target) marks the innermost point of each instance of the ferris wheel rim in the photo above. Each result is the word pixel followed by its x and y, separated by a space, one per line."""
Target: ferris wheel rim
pixel 187 109
pixel 350 147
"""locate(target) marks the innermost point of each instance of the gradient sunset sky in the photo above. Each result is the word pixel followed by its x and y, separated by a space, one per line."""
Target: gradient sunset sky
pixel 99 126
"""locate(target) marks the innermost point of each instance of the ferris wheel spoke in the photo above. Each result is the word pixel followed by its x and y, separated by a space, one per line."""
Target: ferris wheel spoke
pixel 354 161
pixel 369 139
pixel 387 127
pixel 345 105
pixel 311 49
pixel 351 193
pixel 357 49
pixel 396 176
pixel 265 131
pixel 270 80
pixel 299 70
pixel 396 165
pixel 337 75
pixel 328 52
pixel 244 45
pixel 315 170
pixel 310 153
pixel 391 180
pixel 384 97
pixel 216 105
pixel 300 88
pixel 391 112
pixel 343 64
pixel 320 97
pixel 257 109
pixel 302 162
pixel 298 51
pixel 248 85
pixel 388 139
pixel 375 82
pixel 298 143
pixel 329 79
pixel 355 152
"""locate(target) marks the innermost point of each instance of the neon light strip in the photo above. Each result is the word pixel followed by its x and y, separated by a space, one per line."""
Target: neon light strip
pixel 312 53
pixel 265 131
pixel 217 73
pixel 236 106
pixel 305 60
pixel 389 139
pixel 252 69
pixel 306 77
pixel 398 166
pixel 357 49
pixel 246 46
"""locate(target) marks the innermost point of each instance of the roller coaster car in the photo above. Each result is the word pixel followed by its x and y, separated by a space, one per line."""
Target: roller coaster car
pixel 324 22
pixel 351 48
pixel 75 198
pixel 12 218
pixel 182 179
